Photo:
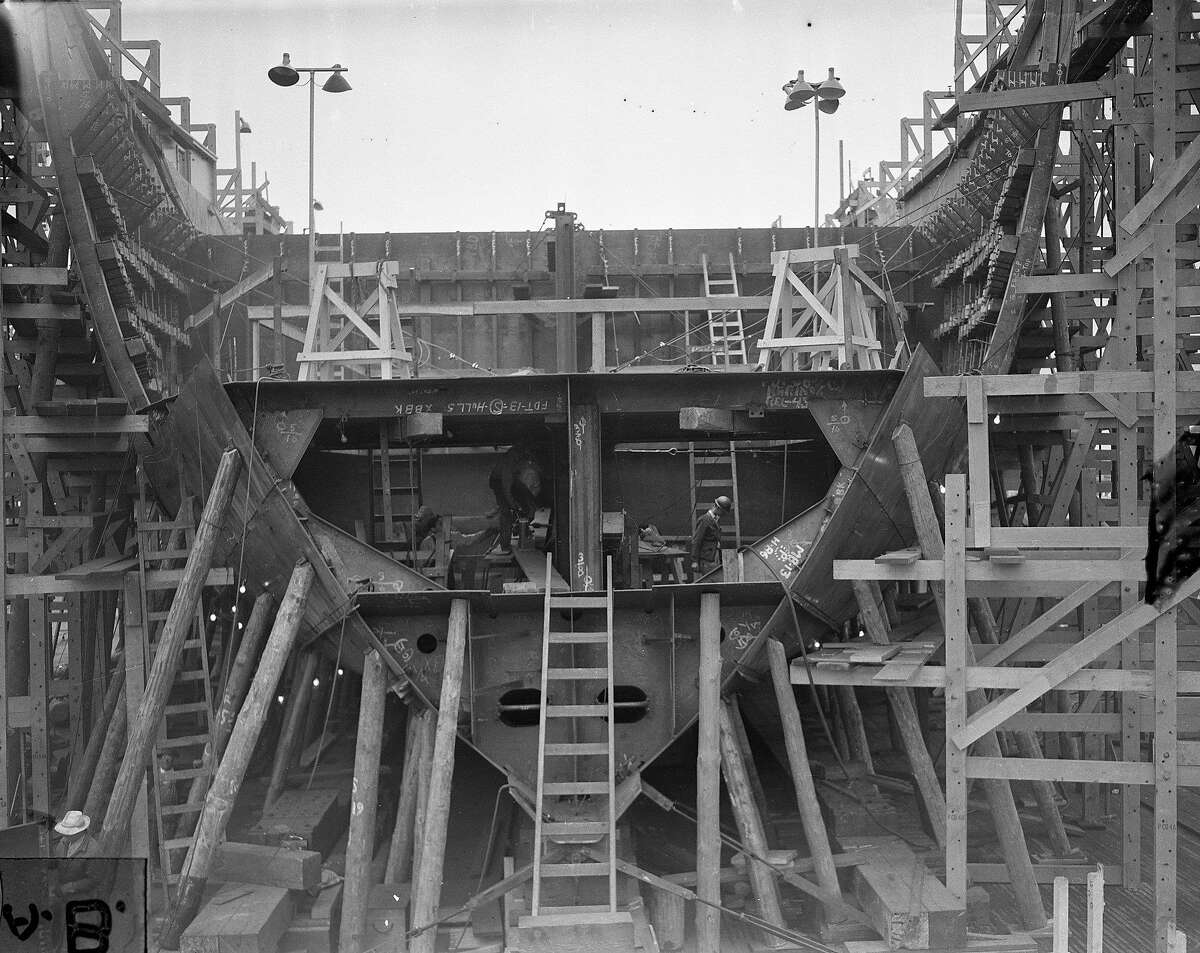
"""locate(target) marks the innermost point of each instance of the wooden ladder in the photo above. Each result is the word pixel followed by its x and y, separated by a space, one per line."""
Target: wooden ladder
pixel 186 730
pixel 580 768
pixel 726 336
pixel 396 495
pixel 713 472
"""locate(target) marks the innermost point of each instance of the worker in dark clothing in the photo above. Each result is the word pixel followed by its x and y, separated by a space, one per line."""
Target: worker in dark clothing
pixel 706 540
pixel 79 874
pixel 516 481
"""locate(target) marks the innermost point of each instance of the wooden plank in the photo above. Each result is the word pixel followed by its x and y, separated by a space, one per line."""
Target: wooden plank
pixel 955 622
pixel 1061 769
pixel 1064 382
pixel 1032 571
pixel 584 308
pixel 801 256
pixel 82 426
pixel 269 866
pixel 903 667
pixel 533 564
pixel 24 585
pixel 1033 96
pixel 41 311
pixel 23 275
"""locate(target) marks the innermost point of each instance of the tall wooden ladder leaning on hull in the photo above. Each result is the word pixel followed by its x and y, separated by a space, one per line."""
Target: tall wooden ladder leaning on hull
pixel 186 728
pixel 576 785
pixel 726 335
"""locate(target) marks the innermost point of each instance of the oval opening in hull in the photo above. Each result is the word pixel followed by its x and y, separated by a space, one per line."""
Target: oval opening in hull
pixel 630 703
pixel 520 707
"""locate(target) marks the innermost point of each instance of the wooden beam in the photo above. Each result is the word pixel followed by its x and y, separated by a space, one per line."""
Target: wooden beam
pixel 428 884
pixel 1000 799
pixel 955 624
pixel 293 724
pixel 582 309
pixel 83 772
pixel 400 852
pixel 144 729
pixel 1032 96
pixel 815 833
pixel 708 779
pixel 1167 177
pixel 1052 675
pixel 905 713
pixel 361 843
pixel 228 779
pixel 232 696
pixel 25 275
pixel 1169 171
pixel 225 298
pixel 98 798
pixel 81 426
pixel 749 822
pixel 267 865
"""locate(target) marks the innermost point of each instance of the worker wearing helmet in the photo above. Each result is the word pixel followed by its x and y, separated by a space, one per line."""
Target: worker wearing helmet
pixel 706 540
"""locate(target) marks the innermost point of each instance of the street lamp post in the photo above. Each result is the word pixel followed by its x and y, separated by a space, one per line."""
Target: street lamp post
pixel 285 74
pixel 826 95
pixel 240 127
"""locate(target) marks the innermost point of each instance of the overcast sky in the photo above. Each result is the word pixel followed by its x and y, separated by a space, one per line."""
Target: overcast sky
pixel 482 114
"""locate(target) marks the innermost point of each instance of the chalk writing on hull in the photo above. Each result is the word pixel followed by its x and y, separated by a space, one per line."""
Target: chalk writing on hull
pixel 795 395
pixel 484 407
pixel 741 635
pixel 784 556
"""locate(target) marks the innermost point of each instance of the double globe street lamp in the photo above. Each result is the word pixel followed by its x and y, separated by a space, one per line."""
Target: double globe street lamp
pixel 285 74
pixel 826 95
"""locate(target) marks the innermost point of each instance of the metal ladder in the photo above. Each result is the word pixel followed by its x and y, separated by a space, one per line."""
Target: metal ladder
pixel 713 472
pixel 726 336
pixel 579 768
pixel 186 728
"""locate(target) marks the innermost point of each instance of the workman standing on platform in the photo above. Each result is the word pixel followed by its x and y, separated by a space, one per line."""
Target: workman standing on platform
pixel 706 540
pixel 516 481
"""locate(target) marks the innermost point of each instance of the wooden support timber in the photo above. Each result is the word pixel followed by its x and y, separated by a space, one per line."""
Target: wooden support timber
pixel 144 728
pixel 806 792
pixel 232 769
pixel 293 725
pixel 428 883
pixel 904 711
pixel 708 779
pixel 363 797
pixel 749 822
pixel 1004 811
pixel 400 851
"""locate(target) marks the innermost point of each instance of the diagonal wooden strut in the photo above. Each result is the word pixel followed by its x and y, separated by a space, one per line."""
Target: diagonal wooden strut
pixel 1054 673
